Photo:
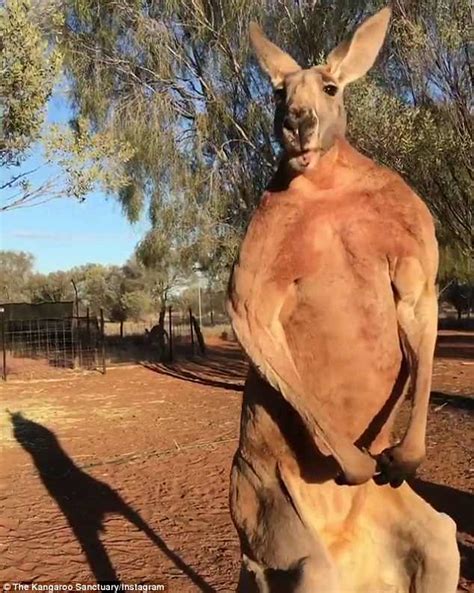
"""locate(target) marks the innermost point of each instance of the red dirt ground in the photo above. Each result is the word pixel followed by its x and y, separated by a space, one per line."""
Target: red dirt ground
pixel 126 475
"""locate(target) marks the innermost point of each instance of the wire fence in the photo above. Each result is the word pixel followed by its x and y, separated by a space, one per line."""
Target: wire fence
pixel 175 334
pixel 90 342
pixel 69 342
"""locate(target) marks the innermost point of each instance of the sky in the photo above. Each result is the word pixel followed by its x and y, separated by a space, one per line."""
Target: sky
pixel 64 233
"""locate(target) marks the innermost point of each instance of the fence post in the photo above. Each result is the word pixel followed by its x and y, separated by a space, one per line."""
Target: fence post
pixel 199 336
pixel 88 326
pixel 211 305
pixel 191 330
pixel 57 349
pixel 102 332
pixel 170 333
pixel 38 332
pixel 4 344
pixel 47 342
pixel 73 345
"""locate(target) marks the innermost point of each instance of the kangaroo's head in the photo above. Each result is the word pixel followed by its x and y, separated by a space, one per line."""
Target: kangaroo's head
pixel 309 102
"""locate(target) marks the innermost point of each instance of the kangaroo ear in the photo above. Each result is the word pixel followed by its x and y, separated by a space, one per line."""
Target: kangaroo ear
pixel 352 59
pixel 274 61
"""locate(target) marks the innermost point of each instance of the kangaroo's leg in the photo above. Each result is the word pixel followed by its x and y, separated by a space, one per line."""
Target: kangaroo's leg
pixel 431 551
pixel 417 544
pixel 279 553
pixel 417 313
pixel 438 547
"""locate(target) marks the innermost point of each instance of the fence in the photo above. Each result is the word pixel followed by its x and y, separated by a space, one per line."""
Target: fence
pixel 184 334
pixel 68 342
pixel 87 342
pixel 175 334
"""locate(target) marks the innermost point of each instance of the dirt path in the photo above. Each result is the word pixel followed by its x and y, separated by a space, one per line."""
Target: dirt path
pixel 126 476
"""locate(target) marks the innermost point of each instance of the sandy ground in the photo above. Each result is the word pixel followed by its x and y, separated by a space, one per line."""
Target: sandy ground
pixel 125 476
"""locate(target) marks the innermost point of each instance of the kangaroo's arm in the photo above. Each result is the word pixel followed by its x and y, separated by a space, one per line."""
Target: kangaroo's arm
pixel 417 314
pixel 256 322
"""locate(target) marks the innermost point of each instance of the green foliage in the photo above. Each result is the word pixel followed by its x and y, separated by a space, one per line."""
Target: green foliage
pixel 131 305
pixel 418 121
pixel 50 288
pixel 28 73
pixel 30 62
pixel 174 117
pixel 16 270
pixel 131 291
pixel 176 81
pixel 97 286
pixel 157 277
pixel 455 265
pixel 172 85
pixel 84 160
pixel 87 158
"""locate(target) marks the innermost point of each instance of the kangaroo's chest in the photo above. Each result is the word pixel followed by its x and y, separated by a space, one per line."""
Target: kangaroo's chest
pixel 291 239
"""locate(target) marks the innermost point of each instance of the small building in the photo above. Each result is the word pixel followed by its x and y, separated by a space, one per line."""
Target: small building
pixel 36 311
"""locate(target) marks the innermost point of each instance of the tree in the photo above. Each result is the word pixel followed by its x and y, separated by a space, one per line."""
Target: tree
pixel 82 159
pixel 50 288
pixel 164 101
pixel 419 121
pixel 98 286
pixel 135 304
pixel 28 73
pixel 16 270
pixel 131 291
pixel 30 64
pixel 177 82
pixel 460 296
pixel 125 292
pixel 160 267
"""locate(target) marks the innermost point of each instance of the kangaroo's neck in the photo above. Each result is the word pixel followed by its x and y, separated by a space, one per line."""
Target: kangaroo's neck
pixel 336 167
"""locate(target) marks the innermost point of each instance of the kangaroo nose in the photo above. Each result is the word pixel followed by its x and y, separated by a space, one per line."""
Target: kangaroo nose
pixel 306 126
pixel 290 122
pixel 301 126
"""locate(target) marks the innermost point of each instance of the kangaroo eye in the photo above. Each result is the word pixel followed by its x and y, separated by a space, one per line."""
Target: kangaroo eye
pixel 330 89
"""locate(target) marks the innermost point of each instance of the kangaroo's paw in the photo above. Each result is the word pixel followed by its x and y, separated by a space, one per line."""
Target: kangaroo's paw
pixel 395 466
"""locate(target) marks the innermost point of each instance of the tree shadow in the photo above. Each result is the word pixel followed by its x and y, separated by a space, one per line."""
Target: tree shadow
pixel 453 400
pixel 459 506
pixel 224 367
pixel 459 345
pixel 85 501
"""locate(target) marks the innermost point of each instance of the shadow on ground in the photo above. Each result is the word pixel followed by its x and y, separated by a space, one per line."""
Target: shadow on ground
pixel 459 345
pixel 453 400
pixel 224 367
pixel 85 501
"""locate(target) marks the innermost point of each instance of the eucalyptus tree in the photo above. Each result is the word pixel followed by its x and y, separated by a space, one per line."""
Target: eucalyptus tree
pixel 30 70
pixel 16 271
pixel 174 79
